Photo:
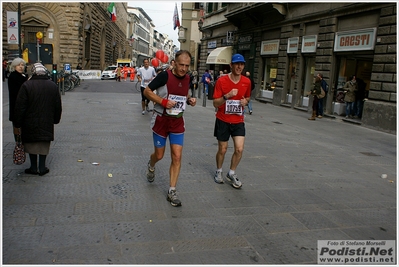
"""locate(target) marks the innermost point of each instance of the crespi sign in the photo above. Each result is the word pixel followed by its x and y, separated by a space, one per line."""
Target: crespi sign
pixel 355 40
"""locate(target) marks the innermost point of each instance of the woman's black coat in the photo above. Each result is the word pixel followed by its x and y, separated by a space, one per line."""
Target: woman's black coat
pixel 15 81
pixel 38 108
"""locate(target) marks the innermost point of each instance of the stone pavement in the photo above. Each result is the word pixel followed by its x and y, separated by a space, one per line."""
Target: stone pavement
pixel 303 181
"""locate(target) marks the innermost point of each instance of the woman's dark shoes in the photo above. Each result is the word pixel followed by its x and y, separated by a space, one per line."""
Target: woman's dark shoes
pixel 46 170
pixel 30 171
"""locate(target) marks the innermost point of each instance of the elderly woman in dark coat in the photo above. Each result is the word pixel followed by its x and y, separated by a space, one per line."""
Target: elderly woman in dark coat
pixel 15 80
pixel 37 109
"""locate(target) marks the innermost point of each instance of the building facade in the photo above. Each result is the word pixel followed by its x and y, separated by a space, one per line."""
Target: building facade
pixel 73 32
pixel 287 44
pixel 78 33
pixel 189 34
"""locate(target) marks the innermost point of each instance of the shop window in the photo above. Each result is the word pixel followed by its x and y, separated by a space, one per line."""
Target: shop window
pixel 269 74
pixel 211 7
pixel 362 68
pixel 310 74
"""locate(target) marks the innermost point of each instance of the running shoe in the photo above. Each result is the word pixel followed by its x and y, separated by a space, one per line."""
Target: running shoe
pixel 233 180
pixel 173 199
pixel 218 177
pixel 143 112
pixel 150 173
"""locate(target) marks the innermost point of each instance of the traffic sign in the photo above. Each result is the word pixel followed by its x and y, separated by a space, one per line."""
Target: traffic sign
pixel 67 68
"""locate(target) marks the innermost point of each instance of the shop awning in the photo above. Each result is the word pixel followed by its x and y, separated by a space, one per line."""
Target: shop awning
pixel 221 55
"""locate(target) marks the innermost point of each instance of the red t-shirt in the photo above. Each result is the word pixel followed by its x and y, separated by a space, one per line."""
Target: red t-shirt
pixel 223 86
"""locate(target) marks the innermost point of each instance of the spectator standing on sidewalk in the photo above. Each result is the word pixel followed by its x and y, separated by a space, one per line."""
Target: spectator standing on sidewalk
pixel 37 109
pixel 4 69
pixel 193 82
pixel 171 98
pixel 15 80
pixel 316 92
pixel 360 96
pixel 232 93
pixel 324 86
pixel 118 73
pixel 206 80
pixel 350 89
pixel 248 74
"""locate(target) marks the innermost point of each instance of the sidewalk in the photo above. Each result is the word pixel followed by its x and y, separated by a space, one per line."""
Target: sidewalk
pixel 303 181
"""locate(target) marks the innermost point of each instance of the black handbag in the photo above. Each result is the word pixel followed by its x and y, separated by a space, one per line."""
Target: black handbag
pixel 19 155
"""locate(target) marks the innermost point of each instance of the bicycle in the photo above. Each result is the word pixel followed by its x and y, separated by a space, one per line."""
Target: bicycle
pixel 138 86
pixel 66 79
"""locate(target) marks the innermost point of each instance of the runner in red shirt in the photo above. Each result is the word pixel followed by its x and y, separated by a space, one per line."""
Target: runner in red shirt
pixel 231 94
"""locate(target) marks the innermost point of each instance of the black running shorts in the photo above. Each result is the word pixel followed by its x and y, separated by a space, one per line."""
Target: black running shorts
pixel 224 130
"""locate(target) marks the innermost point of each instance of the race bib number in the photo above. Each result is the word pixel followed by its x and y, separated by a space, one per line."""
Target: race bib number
pixel 233 107
pixel 180 105
pixel 146 82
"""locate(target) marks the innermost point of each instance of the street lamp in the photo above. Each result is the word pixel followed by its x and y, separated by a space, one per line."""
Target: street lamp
pixel 39 36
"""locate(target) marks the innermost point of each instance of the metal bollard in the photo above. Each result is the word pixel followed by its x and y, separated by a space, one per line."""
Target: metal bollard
pixel 63 88
pixel 199 90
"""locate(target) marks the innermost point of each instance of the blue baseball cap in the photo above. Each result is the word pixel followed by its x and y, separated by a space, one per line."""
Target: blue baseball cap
pixel 236 58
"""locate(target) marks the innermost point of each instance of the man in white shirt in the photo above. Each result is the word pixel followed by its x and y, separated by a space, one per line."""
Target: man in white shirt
pixel 145 75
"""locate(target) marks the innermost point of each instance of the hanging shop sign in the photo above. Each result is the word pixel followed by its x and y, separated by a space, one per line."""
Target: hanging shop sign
pixel 355 40
pixel 270 47
pixel 245 39
pixel 12 27
pixel 211 44
pixel 293 44
pixel 309 44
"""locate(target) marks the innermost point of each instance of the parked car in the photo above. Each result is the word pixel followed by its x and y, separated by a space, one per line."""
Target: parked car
pixel 109 73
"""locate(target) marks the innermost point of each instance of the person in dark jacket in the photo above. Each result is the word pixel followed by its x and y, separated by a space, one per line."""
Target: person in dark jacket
pixel 360 96
pixel 315 92
pixel 37 109
pixel 350 89
pixel 324 86
pixel 15 80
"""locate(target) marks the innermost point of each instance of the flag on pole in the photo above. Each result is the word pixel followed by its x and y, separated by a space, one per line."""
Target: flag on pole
pixel 176 21
pixel 112 10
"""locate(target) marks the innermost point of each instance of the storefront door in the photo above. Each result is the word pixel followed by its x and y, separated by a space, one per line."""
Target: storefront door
pixel 308 80
pixel 291 79
pixel 361 67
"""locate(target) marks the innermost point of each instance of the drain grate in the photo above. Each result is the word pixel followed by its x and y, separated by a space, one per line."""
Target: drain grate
pixel 371 154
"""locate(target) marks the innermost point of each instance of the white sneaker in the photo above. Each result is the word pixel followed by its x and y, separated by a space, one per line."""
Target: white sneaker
pixel 143 112
pixel 218 177
pixel 233 180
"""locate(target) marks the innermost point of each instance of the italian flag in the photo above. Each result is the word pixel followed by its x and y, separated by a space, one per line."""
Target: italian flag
pixel 112 10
